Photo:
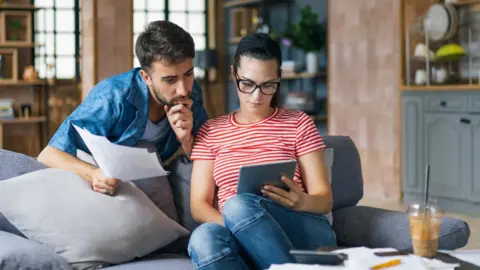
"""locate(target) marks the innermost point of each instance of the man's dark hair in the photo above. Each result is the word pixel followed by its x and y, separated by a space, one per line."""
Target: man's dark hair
pixel 264 55
pixel 165 41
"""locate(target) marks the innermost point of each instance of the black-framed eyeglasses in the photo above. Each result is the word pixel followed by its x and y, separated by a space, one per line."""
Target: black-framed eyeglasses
pixel 248 87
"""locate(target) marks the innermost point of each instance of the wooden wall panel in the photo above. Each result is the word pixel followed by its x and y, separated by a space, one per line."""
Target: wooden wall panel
pixel 364 76
pixel 216 90
pixel 107 40
pixel 114 37
pixel 89 51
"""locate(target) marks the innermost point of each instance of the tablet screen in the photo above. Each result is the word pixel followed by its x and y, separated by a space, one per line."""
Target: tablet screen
pixel 253 177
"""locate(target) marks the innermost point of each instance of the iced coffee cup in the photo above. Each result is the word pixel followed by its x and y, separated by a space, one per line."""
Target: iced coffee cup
pixel 425 227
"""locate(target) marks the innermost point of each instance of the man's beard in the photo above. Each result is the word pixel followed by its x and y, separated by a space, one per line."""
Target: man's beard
pixel 169 103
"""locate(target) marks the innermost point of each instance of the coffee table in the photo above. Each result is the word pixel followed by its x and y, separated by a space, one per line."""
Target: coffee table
pixel 468 259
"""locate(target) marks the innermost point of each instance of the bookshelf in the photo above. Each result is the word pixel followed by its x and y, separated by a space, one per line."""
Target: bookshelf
pixel 245 16
pixel 25 130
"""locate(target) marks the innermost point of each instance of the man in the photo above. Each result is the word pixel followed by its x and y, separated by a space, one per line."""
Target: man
pixel 159 103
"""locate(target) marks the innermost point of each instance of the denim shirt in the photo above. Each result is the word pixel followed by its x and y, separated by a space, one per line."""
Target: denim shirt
pixel 118 108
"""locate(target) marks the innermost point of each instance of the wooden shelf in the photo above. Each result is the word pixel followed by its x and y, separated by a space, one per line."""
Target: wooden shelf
pixel 235 40
pixel 318 117
pixel 467 2
pixel 443 87
pixel 18 7
pixel 24 45
pixel 21 83
pixel 238 3
pixel 29 120
pixel 302 75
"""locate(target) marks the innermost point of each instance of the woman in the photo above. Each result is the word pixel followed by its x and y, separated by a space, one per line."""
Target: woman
pixel 248 229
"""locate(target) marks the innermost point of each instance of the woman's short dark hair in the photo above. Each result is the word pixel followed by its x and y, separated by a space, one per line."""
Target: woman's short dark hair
pixel 263 55
pixel 163 40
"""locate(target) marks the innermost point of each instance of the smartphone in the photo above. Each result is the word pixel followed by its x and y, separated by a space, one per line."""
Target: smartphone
pixel 318 257
pixel 391 253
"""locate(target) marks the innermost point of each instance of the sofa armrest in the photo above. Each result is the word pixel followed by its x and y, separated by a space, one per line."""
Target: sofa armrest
pixel 376 228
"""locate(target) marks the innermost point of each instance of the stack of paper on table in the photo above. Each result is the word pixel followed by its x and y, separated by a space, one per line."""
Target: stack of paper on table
pixel 362 258
pixel 121 162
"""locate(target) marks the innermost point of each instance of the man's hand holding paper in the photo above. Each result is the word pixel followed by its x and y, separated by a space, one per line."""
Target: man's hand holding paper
pixel 103 184
pixel 118 162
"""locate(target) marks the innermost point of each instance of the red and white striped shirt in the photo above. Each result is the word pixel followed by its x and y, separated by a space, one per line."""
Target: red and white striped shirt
pixel 283 135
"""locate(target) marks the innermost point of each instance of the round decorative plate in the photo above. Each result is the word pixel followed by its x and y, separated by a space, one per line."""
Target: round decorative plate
pixel 437 22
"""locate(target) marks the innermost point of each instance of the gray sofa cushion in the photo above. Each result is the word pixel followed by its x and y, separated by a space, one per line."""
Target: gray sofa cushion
pixel 347 180
pixel 157 189
pixel 180 173
pixel 15 164
pixel 19 253
pixel 159 192
pixel 156 262
pixel 374 227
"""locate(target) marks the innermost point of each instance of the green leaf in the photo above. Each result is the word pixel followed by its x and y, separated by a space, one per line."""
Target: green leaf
pixel 307 34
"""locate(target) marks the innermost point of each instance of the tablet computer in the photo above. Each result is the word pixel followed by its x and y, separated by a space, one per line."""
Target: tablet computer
pixel 253 177
pixel 318 257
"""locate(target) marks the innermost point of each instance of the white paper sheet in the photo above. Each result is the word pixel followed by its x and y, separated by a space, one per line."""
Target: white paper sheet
pixel 121 162
pixel 362 258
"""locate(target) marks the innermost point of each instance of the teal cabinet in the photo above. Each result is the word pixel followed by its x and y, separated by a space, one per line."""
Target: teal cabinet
pixel 447 144
pixel 475 180
pixel 442 129
pixel 412 151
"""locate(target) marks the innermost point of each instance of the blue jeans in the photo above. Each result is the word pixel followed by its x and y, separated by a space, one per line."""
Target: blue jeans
pixel 258 232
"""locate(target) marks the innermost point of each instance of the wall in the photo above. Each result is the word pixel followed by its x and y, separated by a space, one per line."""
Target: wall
pixel 364 76
pixel 106 40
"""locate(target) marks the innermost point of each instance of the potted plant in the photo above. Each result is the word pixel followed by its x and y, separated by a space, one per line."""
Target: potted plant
pixel 308 35
pixel 15 27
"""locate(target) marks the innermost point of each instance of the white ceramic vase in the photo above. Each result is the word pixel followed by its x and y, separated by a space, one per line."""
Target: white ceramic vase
pixel 312 62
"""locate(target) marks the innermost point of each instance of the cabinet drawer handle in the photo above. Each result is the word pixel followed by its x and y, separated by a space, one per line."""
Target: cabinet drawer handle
pixel 465 121
pixel 443 103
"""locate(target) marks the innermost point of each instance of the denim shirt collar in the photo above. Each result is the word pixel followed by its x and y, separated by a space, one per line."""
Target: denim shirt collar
pixel 139 94
pixel 139 98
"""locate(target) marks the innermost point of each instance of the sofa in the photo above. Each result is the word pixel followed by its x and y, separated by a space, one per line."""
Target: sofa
pixel 354 225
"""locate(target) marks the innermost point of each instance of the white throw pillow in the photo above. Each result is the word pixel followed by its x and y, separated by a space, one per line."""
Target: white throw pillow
pixel 60 210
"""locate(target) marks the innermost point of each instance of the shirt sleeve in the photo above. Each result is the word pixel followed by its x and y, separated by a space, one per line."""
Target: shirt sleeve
pixel 308 139
pixel 95 113
pixel 202 145
pixel 198 110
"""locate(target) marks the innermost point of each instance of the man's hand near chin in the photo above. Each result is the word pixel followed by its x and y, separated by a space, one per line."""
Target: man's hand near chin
pixel 180 118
